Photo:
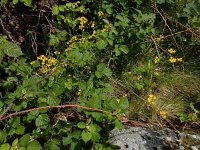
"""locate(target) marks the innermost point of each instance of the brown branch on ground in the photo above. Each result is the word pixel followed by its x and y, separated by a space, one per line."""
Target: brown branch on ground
pixel 122 119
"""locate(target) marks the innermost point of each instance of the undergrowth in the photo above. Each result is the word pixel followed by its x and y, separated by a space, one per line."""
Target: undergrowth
pixel 71 71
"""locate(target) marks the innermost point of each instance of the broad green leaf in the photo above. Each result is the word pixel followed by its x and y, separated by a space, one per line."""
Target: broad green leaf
pixel 20 106
pixel 52 144
pixel 10 49
pixel 101 44
pixel 34 145
pixel 103 70
pixel 20 130
pixel 1 55
pixel 3 136
pixel 27 2
pixel 81 125
pixel 23 141
pixel 124 103
pixel 15 122
pixel 69 84
pixel 86 136
pixel 21 148
pixel 124 48
pixel 55 10
pixel 93 128
pixel 67 140
pixel 95 136
pixel 118 124
pixel 15 142
pixel 53 100
pixel 32 115
pixel 15 1
pixel 5 146
pixel 42 121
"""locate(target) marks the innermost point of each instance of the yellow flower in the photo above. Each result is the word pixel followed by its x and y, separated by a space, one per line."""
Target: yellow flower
pixel 129 72
pixel 44 69
pixel 93 34
pixel 180 59
pixel 79 92
pixel 83 21
pixel 171 51
pixel 42 57
pixel 33 62
pixel 151 98
pixel 156 59
pixel 139 77
pixel 172 60
pixel 163 114
pixel 100 13
pixel 160 38
pixel 92 24
pixel 51 61
pixel 104 30
pixel 56 52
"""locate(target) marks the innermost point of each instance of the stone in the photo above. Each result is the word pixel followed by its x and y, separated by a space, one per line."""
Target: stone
pixel 142 138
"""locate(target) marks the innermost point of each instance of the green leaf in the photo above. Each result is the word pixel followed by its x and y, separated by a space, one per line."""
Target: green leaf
pixel 124 103
pixel 118 124
pixel 55 10
pixel 15 1
pixel 3 136
pixel 32 115
pixel 10 49
pixel 160 1
pixel 103 70
pixel 93 128
pixel 20 130
pixel 27 2
pixel 53 100
pixel 95 136
pixel 1 55
pixel 86 136
pixel 34 145
pixel 42 121
pixel 81 125
pixel 15 142
pixel 23 141
pixel 67 140
pixel 124 48
pixel 5 146
pixel 101 44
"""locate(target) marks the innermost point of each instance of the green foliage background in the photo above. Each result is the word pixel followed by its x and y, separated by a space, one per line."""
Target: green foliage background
pixel 107 59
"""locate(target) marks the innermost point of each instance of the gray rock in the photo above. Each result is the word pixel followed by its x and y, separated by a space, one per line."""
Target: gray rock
pixel 141 138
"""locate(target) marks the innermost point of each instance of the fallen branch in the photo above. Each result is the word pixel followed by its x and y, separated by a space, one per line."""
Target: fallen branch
pixel 122 119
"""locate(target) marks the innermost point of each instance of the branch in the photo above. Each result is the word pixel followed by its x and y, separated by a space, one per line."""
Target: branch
pixel 122 119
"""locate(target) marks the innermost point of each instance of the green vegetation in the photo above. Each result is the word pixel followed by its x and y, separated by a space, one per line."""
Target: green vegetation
pixel 73 70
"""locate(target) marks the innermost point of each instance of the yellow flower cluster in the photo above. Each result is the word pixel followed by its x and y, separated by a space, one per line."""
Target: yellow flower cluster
pixel 139 77
pixel 151 98
pixel 92 24
pixel 32 62
pixel 156 59
pixel 57 53
pixel 163 114
pixel 100 13
pixel 83 21
pixel 171 51
pixel 47 63
pixel 160 38
pixel 93 34
pixel 173 60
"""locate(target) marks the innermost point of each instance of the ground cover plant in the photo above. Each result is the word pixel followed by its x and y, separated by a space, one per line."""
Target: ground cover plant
pixel 71 71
